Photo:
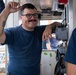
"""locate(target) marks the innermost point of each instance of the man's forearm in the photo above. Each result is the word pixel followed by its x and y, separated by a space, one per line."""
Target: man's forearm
pixel 55 24
pixel 3 18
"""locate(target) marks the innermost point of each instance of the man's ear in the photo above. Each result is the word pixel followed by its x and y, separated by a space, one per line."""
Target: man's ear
pixel 20 17
pixel 20 21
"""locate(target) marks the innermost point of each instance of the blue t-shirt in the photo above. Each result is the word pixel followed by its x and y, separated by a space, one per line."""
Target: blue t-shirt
pixel 71 51
pixel 2 5
pixel 24 49
pixel 44 44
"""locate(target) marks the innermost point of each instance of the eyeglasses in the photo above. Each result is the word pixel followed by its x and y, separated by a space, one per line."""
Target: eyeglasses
pixel 30 15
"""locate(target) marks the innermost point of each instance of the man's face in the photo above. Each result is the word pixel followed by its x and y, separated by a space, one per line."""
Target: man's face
pixel 29 18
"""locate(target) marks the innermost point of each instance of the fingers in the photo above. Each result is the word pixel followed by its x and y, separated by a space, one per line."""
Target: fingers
pixel 14 5
pixel 46 36
pixel 47 33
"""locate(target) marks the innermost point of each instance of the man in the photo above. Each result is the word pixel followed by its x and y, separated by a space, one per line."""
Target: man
pixel 24 41
pixel 70 56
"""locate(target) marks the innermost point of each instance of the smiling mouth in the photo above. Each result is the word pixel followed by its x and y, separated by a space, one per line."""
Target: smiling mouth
pixel 32 20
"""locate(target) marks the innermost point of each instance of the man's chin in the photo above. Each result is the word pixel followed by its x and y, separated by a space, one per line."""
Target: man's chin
pixel 32 25
pixel 31 28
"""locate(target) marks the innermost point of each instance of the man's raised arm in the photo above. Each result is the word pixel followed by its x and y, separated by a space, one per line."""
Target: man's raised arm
pixel 10 8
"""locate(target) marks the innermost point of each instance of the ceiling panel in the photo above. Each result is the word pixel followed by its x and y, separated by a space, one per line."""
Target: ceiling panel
pixel 45 7
pixel 46 3
pixel 43 4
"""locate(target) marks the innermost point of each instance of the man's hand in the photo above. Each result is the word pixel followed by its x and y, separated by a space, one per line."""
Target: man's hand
pixel 13 7
pixel 47 33
pixel 48 30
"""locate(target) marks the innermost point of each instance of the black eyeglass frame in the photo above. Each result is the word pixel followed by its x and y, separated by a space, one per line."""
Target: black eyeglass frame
pixel 36 15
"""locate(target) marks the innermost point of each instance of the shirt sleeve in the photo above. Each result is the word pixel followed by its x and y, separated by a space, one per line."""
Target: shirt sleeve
pixel 70 55
pixel 40 29
pixel 2 5
pixel 9 36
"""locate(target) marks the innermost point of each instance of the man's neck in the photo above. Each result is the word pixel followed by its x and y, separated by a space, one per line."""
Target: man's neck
pixel 28 29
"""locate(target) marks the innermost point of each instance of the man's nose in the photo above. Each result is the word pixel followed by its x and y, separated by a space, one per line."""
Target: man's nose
pixel 32 16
